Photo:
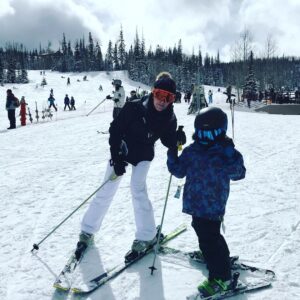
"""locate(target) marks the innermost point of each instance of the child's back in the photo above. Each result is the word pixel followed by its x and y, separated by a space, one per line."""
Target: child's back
pixel 209 164
pixel 208 171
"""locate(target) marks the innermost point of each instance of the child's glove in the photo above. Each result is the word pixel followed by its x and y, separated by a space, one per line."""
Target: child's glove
pixel 108 97
pixel 228 145
pixel 172 154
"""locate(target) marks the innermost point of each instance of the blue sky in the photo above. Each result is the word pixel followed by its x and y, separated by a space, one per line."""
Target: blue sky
pixel 212 25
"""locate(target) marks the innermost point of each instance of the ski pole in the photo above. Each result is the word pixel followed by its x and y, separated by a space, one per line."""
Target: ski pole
pixel 232 117
pixel 152 268
pixel 112 177
pixel 96 107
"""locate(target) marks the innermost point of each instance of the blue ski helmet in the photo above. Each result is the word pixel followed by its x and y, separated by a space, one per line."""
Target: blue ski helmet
pixel 210 123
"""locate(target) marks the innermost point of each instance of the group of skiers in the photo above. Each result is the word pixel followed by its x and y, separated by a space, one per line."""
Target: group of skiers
pixel 67 102
pixel 208 164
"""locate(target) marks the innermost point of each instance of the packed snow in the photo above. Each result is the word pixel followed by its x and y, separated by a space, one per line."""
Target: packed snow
pixel 48 168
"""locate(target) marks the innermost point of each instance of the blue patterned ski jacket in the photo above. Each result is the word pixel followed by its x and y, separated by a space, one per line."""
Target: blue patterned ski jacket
pixel 208 171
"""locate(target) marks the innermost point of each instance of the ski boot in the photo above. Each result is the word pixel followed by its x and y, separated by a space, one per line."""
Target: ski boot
pixel 85 239
pixel 215 286
pixel 139 247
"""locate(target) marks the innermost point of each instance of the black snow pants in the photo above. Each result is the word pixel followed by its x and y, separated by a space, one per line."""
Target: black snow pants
pixel 213 247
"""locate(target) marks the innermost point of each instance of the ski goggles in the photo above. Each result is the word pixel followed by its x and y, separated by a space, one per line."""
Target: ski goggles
pixel 163 96
pixel 206 136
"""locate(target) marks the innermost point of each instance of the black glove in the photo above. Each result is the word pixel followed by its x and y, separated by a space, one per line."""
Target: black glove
pixel 228 145
pixel 119 167
pixel 117 158
pixel 180 136
pixel 108 97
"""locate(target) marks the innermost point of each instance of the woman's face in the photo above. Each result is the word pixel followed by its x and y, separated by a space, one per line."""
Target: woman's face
pixel 159 105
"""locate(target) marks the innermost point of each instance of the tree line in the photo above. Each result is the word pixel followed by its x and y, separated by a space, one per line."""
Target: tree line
pixel 268 71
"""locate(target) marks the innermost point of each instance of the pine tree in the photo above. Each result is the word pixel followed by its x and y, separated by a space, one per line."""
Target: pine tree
pixel 122 50
pixel 91 57
pixel 143 49
pixel 116 58
pixel 136 46
pixel 200 63
pixel 11 71
pixel 109 57
pixel 1 72
pixel 179 53
pixel 64 45
pixel 250 86
pixel 99 58
pixel 77 58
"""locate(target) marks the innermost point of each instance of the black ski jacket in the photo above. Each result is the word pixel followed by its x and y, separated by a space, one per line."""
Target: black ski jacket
pixel 140 125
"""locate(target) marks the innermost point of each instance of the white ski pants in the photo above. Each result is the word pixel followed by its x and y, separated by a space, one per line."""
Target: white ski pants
pixel 143 211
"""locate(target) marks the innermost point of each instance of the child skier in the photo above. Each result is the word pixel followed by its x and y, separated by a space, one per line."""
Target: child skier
pixel 209 164
pixel 23 111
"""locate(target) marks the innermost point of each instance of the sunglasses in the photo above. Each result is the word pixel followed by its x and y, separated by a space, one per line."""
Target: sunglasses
pixel 163 96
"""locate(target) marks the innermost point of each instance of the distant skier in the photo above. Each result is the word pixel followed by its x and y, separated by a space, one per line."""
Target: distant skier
pixel 228 93
pixel 132 137
pixel 11 104
pixel 68 81
pixel 72 101
pixel 209 164
pixel 178 97
pixel 67 102
pixel 51 100
pixel 187 97
pixel 118 97
pixel 210 97
pixel 100 88
pixel 133 96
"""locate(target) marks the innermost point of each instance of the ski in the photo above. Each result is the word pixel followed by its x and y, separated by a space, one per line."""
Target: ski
pixel 196 256
pixel 103 278
pixel 30 116
pixel 63 281
pixel 236 264
pixel 102 132
pixel 263 279
pixel 241 288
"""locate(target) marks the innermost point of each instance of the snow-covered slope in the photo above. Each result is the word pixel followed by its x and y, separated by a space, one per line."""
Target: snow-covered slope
pixel 48 169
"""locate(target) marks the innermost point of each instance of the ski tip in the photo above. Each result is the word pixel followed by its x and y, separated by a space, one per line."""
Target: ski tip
pixel 60 288
pixel 77 291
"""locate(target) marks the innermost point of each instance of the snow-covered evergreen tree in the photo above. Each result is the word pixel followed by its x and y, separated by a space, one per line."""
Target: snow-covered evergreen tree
pixel 77 58
pixel 11 71
pixel 109 63
pixel 116 58
pixel 99 58
pixel 122 50
pixel 250 86
pixel 91 53
pixel 1 72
